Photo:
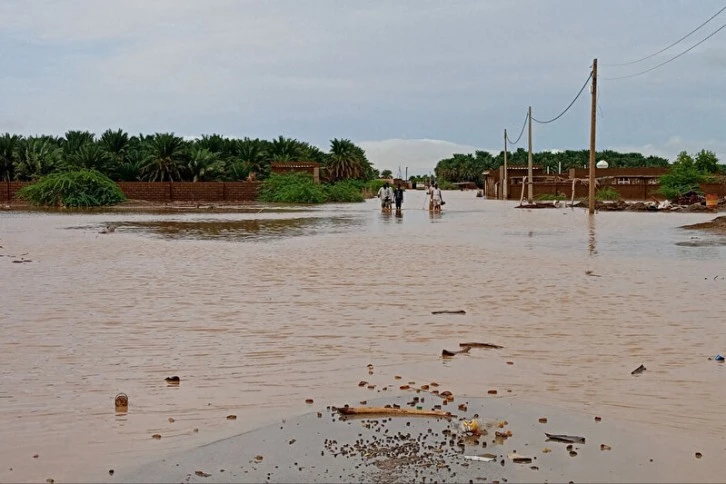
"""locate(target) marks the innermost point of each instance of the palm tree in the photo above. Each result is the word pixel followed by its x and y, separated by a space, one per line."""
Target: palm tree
pixel 37 157
pixel 8 155
pixel 164 153
pixel 90 156
pixel 253 155
pixel 204 165
pixel 116 144
pixel 74 140
pixel 346 161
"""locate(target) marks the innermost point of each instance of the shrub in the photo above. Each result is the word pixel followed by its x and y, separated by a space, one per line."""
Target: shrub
pixel 344 192
pixel 607 193
pixel 550 196
pixel 292 188
pixel 447 185
pixel 80 188
pixel 681 179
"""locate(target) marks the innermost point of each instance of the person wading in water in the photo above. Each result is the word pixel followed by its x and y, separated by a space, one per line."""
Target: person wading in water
pixel 398 197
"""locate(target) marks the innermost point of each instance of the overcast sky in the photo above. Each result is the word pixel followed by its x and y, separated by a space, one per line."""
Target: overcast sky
pixel 410 80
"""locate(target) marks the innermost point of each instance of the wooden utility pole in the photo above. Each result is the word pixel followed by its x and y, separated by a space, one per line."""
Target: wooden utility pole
pixel 593 121
pixel 530 197
pixel 505 187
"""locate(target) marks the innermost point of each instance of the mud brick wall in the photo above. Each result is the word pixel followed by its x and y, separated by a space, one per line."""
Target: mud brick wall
pixel 168 192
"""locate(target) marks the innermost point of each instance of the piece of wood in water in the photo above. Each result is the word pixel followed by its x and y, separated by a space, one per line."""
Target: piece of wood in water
pixel 638 370
pixel 568 439
pixel 454 353
pixel 481 345
pixel 392 411
pixel 460 311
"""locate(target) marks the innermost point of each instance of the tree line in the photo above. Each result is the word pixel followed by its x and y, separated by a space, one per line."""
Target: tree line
pixel 168 157
pixel 469 167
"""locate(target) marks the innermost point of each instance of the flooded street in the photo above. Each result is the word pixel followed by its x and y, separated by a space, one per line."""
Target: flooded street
pixel 257 312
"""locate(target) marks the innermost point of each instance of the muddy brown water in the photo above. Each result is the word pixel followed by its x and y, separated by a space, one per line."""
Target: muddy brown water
pixel 257 312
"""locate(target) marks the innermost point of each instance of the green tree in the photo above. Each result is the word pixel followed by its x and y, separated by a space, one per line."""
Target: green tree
pixel 706 162
pixel 346 161
pixel 37 157
pixel 204 165
pixel 386 174
pixel 165 154
pixel 9 144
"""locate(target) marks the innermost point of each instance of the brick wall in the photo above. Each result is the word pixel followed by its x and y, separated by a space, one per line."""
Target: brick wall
pixel 169 192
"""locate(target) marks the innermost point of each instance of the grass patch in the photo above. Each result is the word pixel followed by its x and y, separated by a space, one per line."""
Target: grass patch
pixel 607 194
pixel 80 188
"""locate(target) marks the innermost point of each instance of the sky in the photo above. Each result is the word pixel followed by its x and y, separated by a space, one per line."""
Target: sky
pixel 411 81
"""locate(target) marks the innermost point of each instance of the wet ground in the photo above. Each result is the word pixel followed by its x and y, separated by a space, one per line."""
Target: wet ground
pixel 257 311
pixel 511 445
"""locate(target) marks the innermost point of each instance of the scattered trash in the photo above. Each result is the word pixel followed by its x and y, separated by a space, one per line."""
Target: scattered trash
pixel 543 420
pixel 591 273
pixel 481 345
pixel 404 387
pixel 447 353
pixel 719 358
pixel 482 458
pixel 121 402
pixel 568 439
pixel 171 420
pixel 698 455
pixel 470 426
pixel 156 436
pixel 519 459
pixel 202 474
pixel 546 450
pixel 460 311
pixel 605 447
pixel 172 380
pixel 392 411
pixel 110 472
pixel 309 401
pixel 638 370
pixel 231 417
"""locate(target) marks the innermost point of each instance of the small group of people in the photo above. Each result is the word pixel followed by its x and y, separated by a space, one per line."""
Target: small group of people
pixel 388 196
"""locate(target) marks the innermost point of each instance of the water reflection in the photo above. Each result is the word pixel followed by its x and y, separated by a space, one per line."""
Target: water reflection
pixel 240 229
pixel 592 241
pixel 399 216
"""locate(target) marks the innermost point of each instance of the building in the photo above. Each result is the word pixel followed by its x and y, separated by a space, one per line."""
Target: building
pixel 310 167
pixel 632 183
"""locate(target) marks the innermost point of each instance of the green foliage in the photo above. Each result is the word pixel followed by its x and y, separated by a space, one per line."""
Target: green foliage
pixel 469 167
pixel 81 188
pixel 550 196
pixel 607 193
pixel 386 174
pixel 167 157
pixel 300 188
pixel 292 188
pixel 686 174
pixel 446 185
pixel 347 191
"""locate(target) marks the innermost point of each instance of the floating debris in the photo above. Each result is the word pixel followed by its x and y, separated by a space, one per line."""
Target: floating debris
pixel 543 420
pixel 392 411
pixel 598 419
pixel 171 420
pixel 481 345
pixel 202 474
pixel 156 436
pixel 309 401
pixel 231 417
pixel 482 458
pixel 568 439
pixel 458 311
pixel 447 353
pixel 638 370
pixel 121 401
pixel 110 472
pixel 519 459
pixel 605 447
pixel 698 455
pixel 591 273
pixel 172 380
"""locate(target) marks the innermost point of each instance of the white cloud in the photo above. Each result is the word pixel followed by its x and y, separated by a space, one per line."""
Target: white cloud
pixel 419 155
pixel 670 148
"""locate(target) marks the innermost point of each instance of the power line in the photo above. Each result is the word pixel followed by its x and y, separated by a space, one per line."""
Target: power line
pixel 671 45
pixel 520 133
pixel 568 107
pixel 669 60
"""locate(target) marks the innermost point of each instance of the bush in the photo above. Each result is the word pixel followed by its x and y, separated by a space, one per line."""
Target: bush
pixel 681 179
pixel 607 193
pixel 550 196
pixel 292 188
pixel 300 188
pixel 80 188
pixel 344 192
pixel 447 185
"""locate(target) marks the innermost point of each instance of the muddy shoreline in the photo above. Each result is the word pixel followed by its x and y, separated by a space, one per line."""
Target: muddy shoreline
pixel 512 445
pixel 716 226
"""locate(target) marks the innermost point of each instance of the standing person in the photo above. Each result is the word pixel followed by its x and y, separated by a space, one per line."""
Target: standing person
pixel 398 197
pixel 386 195
pixel 436 198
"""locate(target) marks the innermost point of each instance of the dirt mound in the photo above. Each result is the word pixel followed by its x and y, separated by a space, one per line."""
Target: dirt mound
pixel 716 226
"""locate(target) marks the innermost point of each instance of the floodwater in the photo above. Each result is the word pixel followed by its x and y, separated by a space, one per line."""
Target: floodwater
pixel 257 312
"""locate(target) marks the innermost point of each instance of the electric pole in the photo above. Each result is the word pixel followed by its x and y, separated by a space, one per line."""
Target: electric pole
pixel 530 198
pixel 593 120
pixel 505 188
